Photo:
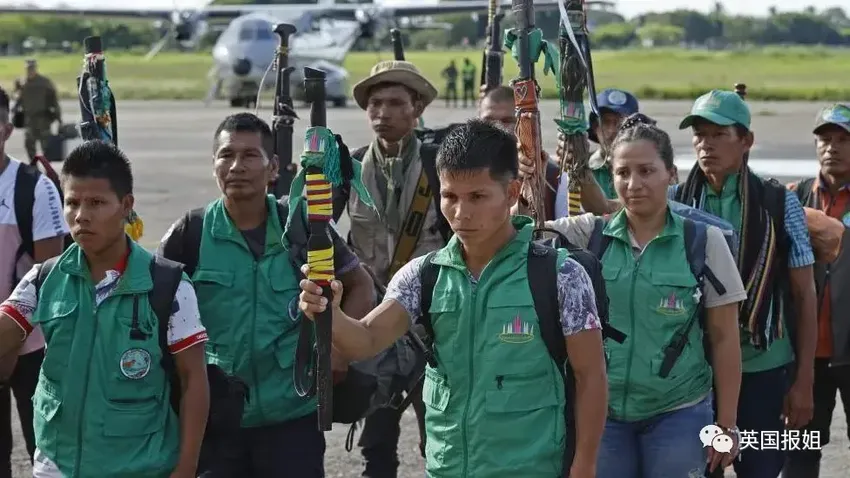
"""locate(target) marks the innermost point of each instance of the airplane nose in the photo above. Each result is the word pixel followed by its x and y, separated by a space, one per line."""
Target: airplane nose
pixel 242 67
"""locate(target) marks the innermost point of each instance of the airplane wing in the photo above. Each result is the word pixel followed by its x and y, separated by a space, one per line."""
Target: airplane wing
pixel 338 10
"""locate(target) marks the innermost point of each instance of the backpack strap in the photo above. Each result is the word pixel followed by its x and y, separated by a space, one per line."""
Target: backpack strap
pixel 44 271
pixel 696 239
pixel 599 242
pixel 191 240
pixel 25 183
pixel 166 276
pixel 428 156
pixel 542 280
pixel 806 191
pixel 428 273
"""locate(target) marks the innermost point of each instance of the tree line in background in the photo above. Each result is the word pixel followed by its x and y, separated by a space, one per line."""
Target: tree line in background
pixel 609 30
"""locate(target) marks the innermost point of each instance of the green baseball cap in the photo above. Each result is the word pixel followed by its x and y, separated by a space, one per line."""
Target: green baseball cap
pixel 721 107
pixel 837 114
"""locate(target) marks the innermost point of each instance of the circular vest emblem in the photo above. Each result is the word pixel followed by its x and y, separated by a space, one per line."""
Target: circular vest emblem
pixel 846 219
pixel 293 309
pixel 617 98
pixel 135 363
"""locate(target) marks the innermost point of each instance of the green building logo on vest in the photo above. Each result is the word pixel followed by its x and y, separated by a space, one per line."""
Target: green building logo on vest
pixel 671 306
pixel 135 363
pixel 517 332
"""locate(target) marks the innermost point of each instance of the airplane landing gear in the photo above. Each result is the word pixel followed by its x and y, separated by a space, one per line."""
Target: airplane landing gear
pixel 243 102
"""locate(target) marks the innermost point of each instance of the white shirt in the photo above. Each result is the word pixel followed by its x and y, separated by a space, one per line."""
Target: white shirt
pixel 47 221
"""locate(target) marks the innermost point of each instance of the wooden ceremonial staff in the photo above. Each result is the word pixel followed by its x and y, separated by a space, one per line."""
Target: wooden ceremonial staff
pixel 526 101
pixel 576 77
pixel 284 113
pixel 320 247
pixel 98 112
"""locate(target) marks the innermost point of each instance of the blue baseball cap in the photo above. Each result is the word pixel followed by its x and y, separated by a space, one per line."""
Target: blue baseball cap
pixel 617 101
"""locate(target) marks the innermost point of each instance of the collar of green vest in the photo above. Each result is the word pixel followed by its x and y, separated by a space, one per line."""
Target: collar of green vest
pixel 136 278
pixel 452 254
pixel 222 227
pixel 730 187
pixel 618 226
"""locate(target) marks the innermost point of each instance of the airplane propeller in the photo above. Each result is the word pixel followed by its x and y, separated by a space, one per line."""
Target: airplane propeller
pixel 187 27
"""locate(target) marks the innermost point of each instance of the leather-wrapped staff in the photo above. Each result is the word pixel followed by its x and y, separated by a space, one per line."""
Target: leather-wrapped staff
pixel 284 113
pixel 576 77
pixel 98 110
pixel 322 168
pixel 526 44
pixel 491 63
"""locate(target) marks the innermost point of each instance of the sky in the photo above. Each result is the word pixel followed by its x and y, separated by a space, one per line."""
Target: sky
pixel 629 8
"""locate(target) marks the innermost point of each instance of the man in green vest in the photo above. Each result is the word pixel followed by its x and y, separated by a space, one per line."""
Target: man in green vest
pixel 468 77
pixel 779 320
pixel 247 292
pixel 102 404
pixel 495 401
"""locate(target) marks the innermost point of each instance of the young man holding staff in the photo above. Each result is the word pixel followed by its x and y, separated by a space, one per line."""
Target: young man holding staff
pixel 495 400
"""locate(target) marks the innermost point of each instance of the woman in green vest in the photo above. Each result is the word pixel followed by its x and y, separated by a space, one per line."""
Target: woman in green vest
pixel 660 421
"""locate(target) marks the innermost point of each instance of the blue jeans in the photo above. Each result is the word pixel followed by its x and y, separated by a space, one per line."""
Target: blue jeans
pixel 667 445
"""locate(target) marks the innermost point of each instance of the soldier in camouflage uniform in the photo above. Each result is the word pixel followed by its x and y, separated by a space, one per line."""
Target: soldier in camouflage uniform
pixel 40 104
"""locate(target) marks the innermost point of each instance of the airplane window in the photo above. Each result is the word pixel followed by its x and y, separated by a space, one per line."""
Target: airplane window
pixel 246 34
pixel 265 34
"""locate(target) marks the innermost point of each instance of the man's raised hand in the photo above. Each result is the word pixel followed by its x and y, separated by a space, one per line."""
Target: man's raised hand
pixel 311 300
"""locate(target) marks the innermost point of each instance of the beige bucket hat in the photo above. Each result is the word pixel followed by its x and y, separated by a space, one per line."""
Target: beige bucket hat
pixel 399 72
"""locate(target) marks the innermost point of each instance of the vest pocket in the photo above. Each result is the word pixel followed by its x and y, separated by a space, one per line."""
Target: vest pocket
pixel 441 428
pixel 524 423
pixel 58 327
pixel 446 309
pixel 213 290
pixel 134 422
pixel 47 407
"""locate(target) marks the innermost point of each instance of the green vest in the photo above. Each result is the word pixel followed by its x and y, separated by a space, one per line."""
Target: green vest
pixel 655 297
pixel 246 306
pixel 469 72
pixel 727 204
pixel 102 402
pixel 495 403
pixel 606 180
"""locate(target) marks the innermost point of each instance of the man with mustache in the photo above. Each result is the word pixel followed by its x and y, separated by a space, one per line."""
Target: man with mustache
pixel 399 171
pixel 248 291
pixel 828 193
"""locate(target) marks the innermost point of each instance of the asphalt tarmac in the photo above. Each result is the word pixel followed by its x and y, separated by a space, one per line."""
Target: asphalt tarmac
pixel 170 146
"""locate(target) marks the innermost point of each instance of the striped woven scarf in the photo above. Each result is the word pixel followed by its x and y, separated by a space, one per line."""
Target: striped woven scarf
pixel 756 259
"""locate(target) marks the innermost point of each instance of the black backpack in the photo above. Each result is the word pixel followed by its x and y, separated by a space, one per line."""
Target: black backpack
pixel 542 279
pixel 226 403
pixel 25 183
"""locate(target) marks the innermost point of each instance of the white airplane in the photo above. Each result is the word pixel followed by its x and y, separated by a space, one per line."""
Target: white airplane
pixel 245 50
